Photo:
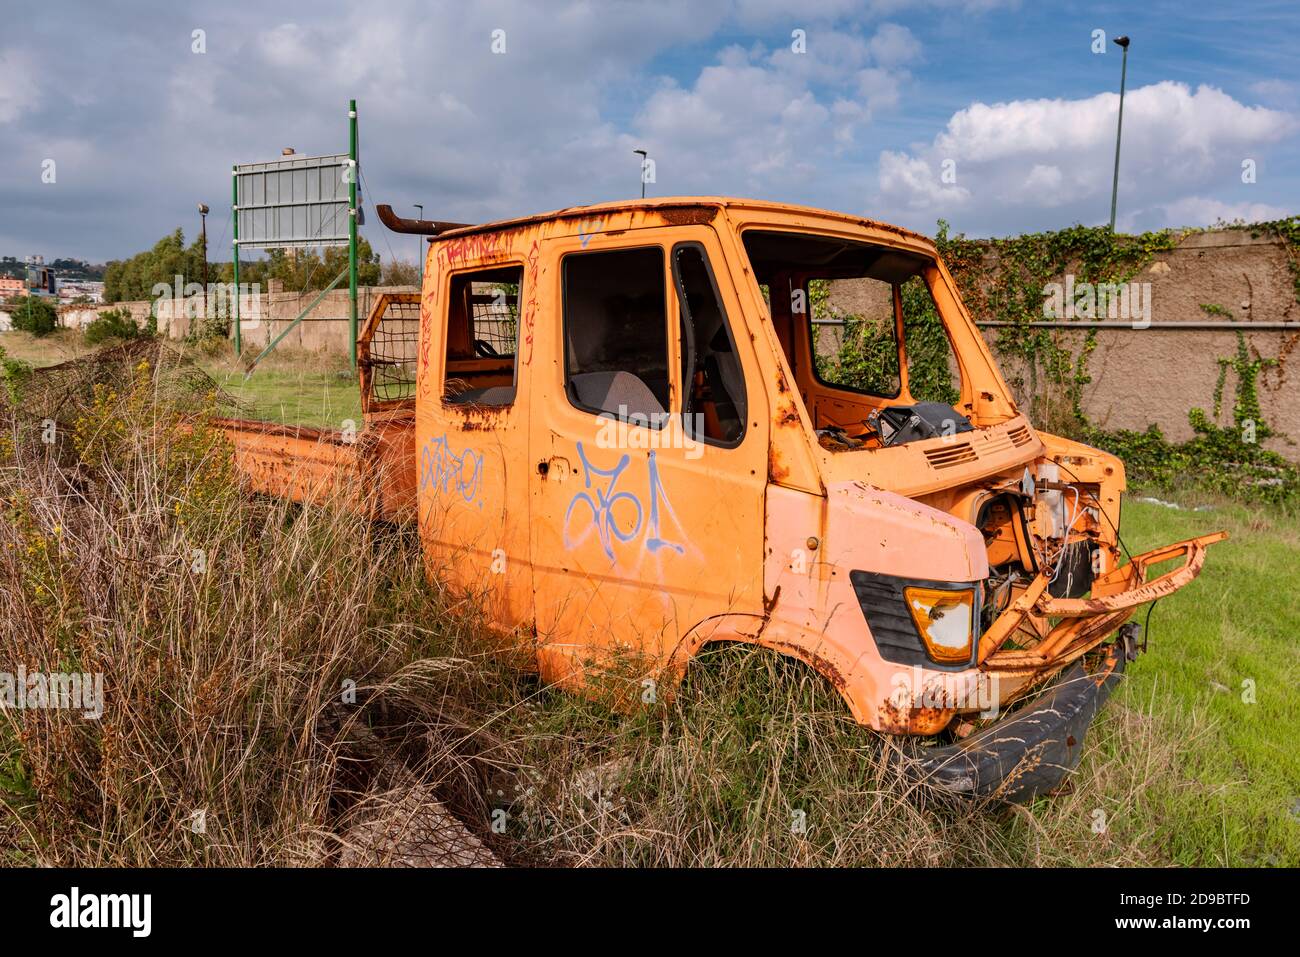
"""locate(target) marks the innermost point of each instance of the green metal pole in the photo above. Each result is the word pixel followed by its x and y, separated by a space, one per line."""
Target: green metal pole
pixel 1119 130
pixel 234 220
pixel 352 228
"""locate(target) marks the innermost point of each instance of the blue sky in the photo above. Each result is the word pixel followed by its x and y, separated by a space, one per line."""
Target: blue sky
pixel 1006 98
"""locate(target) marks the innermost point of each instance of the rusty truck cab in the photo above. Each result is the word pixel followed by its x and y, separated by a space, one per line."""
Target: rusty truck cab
pixel 628 443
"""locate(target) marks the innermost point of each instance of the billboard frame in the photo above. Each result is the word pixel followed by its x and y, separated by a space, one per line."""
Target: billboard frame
pixel 350 174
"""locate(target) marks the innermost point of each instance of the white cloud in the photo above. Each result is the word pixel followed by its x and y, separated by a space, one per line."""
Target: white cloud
pixel 965 7
pixel 1044 182
pixel 287 46
pixel 894 45
pixel 1202 211
pixel 1017 159
pixel 762 13
pixel 1277 92
pixel 917 185
pixel 766 123
pixel 739 117
pixel 879 88
pixel 18 90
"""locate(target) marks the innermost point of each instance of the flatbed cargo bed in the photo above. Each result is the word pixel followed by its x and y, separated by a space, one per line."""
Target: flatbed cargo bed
pixel 371 470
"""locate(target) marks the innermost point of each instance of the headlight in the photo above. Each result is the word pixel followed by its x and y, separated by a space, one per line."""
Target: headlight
pixel 919 621
pixel 943 618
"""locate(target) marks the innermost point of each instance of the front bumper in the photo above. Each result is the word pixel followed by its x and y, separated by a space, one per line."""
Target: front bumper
pixel 1033 749
pixel 1062 630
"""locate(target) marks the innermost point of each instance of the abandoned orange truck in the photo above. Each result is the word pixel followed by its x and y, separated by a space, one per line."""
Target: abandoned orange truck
pixel 611 425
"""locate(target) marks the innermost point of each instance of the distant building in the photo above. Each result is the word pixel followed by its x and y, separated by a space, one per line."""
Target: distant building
pixel 11 286
pixel 70 289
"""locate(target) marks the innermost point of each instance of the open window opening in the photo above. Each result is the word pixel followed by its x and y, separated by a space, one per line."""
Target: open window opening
pixel 615 334
pixel 482 337
pixel 714 406
pixel 865 317
pixel 387 353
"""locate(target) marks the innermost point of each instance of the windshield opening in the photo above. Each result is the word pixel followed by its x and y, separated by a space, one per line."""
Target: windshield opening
pixel 859 327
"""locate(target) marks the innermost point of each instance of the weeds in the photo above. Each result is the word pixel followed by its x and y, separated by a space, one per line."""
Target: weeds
pixel 285 685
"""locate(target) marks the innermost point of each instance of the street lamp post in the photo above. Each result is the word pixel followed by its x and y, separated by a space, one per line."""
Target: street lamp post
pixel 203 231
pixel 1123 42
pixel 642 154
pixel 419 247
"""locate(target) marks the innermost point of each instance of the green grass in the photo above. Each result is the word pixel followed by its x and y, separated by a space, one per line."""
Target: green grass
pixel 320 398
pixel 290 386
pixel 1233 798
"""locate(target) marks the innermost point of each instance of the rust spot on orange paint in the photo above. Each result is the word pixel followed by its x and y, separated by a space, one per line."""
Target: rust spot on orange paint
pixel 688 215
pixel 787 415
pixel 822 665
pixel 776 469
pixel 770 603
pixel 896 720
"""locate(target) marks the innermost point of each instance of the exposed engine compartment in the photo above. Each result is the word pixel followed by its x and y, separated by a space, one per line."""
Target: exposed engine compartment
pixel 1040 524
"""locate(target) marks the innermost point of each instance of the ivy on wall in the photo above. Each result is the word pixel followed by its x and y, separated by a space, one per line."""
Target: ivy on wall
pixel 1005 280
pixel 1226 459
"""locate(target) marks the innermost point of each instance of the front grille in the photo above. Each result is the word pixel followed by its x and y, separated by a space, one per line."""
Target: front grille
pixel 988 443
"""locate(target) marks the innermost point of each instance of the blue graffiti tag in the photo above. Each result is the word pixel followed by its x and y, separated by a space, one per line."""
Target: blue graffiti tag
pixel 654 542
pixel 443 471
pixel 604 500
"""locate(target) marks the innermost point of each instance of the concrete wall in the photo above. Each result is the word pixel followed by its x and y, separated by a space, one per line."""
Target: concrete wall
pixel 1144 376
pixel 262 317
pixel 1154 375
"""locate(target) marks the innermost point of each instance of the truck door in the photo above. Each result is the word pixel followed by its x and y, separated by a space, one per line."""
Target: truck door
pixel 472 439
pixel 649 451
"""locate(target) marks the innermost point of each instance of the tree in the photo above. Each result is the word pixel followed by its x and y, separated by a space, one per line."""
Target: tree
pixel 395 272
pixel 112 324
pixel 135 278
pixel 34 314
pixel 300 270
pixel 303 269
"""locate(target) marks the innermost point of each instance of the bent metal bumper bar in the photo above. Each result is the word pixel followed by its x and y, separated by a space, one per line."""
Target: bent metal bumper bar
pixel 1060 630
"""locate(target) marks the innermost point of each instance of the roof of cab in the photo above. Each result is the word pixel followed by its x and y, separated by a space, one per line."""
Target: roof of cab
pixel 667 203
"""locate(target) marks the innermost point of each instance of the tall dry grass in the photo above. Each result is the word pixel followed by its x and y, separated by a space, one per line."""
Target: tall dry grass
pixel 281 673
pixel 232 633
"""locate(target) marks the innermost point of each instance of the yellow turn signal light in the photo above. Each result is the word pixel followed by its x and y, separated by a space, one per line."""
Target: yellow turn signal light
pixel 943 617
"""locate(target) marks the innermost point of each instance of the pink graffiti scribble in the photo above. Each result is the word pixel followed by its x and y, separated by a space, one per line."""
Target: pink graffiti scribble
pixel 530 307
pixel 478 246
pixel 427 312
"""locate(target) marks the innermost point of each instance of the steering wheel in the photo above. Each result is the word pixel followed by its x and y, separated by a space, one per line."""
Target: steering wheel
pixel 485 349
